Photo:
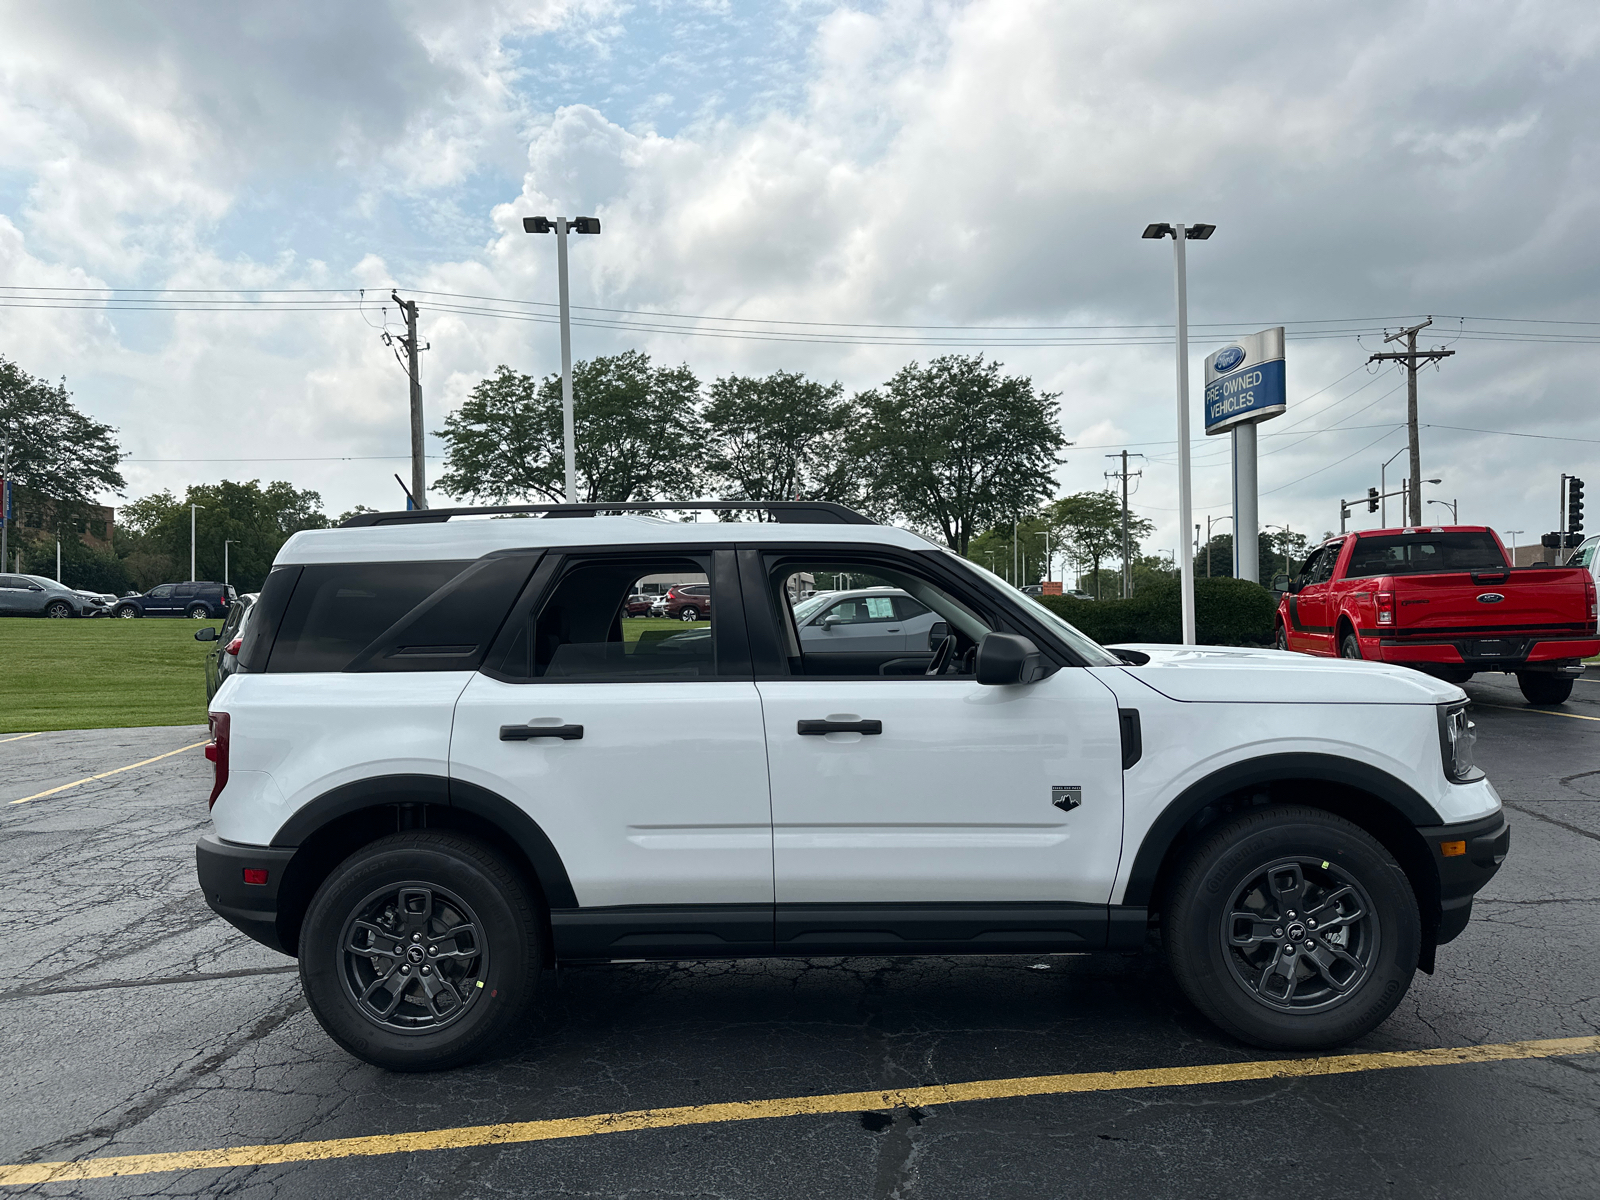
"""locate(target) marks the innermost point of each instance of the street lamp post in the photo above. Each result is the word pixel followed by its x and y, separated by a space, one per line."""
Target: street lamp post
pixel 1180 234
pixel 1452 506
pixel 1383 490
pixel 569 437
pixel 1285 529
pixel 1513 533
pixel 225 545
pixel 192 507
pixel 1209 520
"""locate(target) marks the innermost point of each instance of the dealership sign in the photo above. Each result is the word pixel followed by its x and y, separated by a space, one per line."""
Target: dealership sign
pixel 1245 381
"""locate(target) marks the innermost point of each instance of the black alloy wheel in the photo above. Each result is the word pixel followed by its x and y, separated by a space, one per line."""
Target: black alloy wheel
pixel 1349 647
pixel 58 609
pixel 199 612
pixel 1541 687
pixel 422 951
pixel 1292 928
pixel 689 613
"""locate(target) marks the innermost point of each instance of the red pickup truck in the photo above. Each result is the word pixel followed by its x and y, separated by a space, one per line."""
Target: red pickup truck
pixel 1446 601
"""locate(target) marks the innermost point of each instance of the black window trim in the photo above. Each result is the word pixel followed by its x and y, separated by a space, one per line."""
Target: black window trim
pixel 766 635
pixel 728 623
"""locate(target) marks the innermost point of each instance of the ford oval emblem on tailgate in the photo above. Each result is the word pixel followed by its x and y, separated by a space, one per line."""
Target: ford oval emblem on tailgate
pixel 1490 598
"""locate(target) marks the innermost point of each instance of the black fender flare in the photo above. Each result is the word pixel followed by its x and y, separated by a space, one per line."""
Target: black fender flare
pixel 382 791
pixel 1269 768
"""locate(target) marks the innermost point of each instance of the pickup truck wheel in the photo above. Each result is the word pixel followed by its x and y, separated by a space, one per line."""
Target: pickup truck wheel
pixel 421 951
pixel 1540 688
pixel 1283 638
pixel 1349 647
pixel 1292 928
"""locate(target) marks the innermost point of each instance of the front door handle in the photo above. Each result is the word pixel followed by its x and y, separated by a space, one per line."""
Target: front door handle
pixel 821 727
pixel 523 733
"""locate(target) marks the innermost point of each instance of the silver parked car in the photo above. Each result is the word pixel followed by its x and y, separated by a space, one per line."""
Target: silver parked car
pixel 869 622
pixel 39 596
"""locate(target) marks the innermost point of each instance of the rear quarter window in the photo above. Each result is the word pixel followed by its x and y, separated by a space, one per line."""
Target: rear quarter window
pixel 338 610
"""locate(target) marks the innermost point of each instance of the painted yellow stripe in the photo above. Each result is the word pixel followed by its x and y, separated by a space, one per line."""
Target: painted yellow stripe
pixel 106 774
pixel 521 1132
pixel 19 737
pixel 1542 711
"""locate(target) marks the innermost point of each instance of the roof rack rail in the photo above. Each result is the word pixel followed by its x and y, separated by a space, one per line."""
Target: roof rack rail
pixel 789 512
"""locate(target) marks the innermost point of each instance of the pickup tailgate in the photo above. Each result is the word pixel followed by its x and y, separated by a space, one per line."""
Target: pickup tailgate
pixel 1525 599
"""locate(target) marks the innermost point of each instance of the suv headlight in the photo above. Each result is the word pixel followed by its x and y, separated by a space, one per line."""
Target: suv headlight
pixel 1457 737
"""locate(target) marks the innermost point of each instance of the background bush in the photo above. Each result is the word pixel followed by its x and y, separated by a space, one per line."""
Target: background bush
pixel 1228 612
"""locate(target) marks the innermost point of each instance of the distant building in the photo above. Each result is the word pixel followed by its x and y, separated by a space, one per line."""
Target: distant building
pixel 35 515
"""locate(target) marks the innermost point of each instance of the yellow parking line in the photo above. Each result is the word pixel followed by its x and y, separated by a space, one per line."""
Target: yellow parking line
pixel 104 774
pixel 19 737
pixel 1545 711
pixel 793 1106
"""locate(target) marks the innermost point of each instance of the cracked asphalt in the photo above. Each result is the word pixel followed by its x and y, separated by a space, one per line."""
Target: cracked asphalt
pixel 133 1021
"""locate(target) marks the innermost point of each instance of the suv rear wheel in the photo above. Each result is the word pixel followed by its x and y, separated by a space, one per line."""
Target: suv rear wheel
pixel 1293 929
pixel 1539 687
pixel 689 613
pixel 421 951
pixel 199 612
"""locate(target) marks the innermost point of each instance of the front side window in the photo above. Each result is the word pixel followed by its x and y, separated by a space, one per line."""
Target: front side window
pixel 578 631
pixel 161 593
pixel 1088 651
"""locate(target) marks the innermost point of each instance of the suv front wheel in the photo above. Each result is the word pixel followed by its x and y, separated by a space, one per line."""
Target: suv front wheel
pixel 1293 929
pixel 421 951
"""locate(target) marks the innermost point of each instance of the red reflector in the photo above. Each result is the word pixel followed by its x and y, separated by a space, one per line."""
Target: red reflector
pixel 217 752
pixel 255 875
pixel 211 751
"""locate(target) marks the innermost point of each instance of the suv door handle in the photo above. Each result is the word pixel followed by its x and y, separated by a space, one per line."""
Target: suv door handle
pixel 523 733
pixel 821 727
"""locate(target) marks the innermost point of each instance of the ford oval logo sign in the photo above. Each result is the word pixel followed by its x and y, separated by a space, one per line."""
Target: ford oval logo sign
pixel 1490 598
pixel 1227 359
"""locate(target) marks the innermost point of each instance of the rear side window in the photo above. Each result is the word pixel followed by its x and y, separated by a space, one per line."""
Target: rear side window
pixel 338 610
pixel 452 629
pixel 1423 554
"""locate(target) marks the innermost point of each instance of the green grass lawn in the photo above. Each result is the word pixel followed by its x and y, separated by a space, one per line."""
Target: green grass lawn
pixel 101 673
pixel 107 674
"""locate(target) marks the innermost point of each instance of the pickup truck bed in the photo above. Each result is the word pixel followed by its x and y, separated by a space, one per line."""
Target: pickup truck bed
pixel 1444 600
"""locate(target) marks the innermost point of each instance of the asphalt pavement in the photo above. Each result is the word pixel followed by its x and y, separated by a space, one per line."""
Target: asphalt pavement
pixel 135 1023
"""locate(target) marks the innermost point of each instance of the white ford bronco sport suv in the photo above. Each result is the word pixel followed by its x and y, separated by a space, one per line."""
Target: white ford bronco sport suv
pixel 446 762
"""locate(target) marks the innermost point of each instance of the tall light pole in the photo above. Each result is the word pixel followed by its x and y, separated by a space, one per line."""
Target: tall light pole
pixel 569 436
pixel 1513 533
pixel 1219 521
pixel 1451 505
pixel 1180 234
pixel 1285 529
pixel 192 507
pixel 1383 488
pixel 225 545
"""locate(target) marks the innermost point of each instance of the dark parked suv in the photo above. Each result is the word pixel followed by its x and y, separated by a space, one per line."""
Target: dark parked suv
pixel 686 602
pixel 201 600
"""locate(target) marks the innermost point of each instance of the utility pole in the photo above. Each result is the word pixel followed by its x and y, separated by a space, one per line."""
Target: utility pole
pixel 5 500
pixel 1411 358
pixel 1127 550
pixel 419 481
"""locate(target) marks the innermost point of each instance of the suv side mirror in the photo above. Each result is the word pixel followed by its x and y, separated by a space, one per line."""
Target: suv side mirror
pixel 1280 582
pixel 937 632
pixel 1005 658
pixel 208 634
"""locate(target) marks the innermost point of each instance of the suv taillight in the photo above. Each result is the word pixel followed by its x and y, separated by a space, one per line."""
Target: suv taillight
pixel 217 752
pixel 1385 605
pixel 233 646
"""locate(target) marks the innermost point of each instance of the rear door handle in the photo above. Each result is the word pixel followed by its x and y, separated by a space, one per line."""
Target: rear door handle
pixel 821 727
pixel 523 733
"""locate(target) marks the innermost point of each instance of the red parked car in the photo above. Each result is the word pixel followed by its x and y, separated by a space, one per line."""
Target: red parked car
pixel 1447 601
pixel 687 602
pixel 638 605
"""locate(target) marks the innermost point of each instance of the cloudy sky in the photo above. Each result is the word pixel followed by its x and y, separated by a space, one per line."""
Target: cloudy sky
pixel 816 187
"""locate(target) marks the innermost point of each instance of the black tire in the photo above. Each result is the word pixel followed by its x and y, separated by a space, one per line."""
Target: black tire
pixel 127 612
pixel 1238 985
pixel 1349 647
pixel 199 612
pixel 496 964
pixel 689 613
pixel 1282 639
pixel 1538 687
pixel 59 609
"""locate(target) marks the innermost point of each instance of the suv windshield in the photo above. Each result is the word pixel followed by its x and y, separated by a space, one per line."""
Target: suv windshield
pixel 1424 553
pixel 1080 643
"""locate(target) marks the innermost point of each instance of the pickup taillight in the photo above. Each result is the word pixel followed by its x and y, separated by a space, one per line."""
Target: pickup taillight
pixel 1589 596
pixel 1384 602
pixel 217 752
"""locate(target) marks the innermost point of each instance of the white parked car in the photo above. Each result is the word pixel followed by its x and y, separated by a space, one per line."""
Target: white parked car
pixel 445 763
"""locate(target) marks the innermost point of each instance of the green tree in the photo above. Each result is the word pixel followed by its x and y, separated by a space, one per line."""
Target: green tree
pixel 638 433
pixel 955 446
pixel 55 451
pixel 993 548
pixel 154 535
pixel 777 438
pixel 1089 527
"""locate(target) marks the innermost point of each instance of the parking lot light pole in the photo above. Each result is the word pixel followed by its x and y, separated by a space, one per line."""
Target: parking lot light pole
pixel 192 507
pixel 1180 234
pixel 1452 505
pixel 559 227
pixel 1513 533
pixel 225 545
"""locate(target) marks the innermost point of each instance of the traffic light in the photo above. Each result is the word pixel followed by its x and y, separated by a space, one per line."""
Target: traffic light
pixel 1372 499
pixel 1574 505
